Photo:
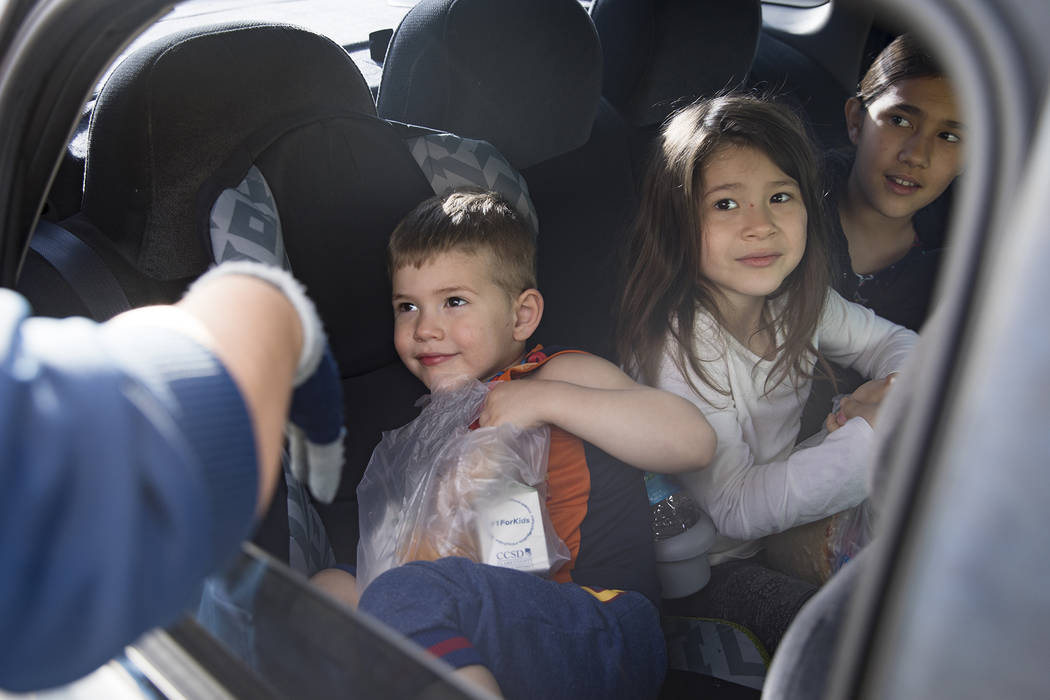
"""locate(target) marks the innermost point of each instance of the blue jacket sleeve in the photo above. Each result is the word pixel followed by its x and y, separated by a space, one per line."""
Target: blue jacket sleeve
pixel 128 473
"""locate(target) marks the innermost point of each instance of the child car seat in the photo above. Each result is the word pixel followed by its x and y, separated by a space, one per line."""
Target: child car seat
pixel 261 141
pixel 166 117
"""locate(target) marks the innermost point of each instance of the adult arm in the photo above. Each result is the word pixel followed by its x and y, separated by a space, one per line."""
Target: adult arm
pixel 135 455
pixel 255 332
pixel 593 399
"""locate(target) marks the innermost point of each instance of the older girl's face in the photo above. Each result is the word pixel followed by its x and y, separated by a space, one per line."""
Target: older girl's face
pixel 909 146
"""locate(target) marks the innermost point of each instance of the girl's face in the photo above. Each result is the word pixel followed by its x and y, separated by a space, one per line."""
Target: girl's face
pixel 909 146
pixel 752 223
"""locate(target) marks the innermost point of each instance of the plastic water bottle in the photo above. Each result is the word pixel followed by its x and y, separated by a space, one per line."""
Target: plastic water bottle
pixel 672 510
pixel 682 535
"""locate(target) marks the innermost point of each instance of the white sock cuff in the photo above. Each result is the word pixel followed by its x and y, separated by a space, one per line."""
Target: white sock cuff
pixel 284 282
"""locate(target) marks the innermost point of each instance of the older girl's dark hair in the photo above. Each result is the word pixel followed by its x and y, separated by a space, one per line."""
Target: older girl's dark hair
pixel 664 287
pixel 902 59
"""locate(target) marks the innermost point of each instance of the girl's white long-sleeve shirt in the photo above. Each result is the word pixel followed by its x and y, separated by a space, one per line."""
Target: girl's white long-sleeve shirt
pixel 758 483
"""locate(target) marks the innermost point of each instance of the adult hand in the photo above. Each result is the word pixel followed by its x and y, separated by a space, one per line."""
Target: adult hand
pixel 315 419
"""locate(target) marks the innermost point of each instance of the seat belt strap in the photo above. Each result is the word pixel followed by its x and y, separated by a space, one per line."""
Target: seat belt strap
pixel 82 268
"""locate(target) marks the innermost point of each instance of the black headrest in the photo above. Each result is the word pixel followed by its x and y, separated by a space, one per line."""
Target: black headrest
pixel 524 75
pixel 660 54
pixel 171 113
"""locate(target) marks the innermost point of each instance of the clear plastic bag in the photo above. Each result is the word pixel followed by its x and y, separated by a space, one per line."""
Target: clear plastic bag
pixel 817 550
pixel 434 488
pixel 849 532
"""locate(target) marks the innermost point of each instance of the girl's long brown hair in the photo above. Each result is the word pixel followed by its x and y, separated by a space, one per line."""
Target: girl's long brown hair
pixel 664 289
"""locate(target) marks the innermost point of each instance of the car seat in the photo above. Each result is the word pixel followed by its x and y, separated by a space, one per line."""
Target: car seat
pixel 525 75
pixel 663 54
pixel 165 119
pixel 261 141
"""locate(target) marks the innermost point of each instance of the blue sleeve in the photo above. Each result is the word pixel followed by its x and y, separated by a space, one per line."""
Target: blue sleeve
pixel 128 473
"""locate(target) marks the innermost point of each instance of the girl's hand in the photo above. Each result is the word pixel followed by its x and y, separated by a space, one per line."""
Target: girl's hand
pixel 520 402
pixel 863 402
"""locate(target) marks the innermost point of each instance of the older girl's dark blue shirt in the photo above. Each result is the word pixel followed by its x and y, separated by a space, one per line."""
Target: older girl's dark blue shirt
pixel 900 292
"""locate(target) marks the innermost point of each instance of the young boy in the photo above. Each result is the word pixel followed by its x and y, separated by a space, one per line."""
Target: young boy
pixel 465 303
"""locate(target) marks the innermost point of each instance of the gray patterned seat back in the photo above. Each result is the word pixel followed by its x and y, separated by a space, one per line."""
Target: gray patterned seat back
pixel 245 225
pixel 449 161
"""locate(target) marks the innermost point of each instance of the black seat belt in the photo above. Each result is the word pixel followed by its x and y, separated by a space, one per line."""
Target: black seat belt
pixel 82 268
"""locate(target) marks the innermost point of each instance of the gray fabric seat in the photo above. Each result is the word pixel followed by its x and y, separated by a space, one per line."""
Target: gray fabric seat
pixel 659 55
pixel 802 83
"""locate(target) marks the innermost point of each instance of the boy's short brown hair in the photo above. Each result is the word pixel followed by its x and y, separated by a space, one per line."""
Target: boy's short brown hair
pixel 470 220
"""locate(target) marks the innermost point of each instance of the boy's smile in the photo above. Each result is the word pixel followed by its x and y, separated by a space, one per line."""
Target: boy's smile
pixel 451 319
pixel 429 360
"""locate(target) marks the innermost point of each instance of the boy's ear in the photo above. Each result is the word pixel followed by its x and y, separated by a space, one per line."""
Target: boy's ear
pixel 528 310
pixel 854 118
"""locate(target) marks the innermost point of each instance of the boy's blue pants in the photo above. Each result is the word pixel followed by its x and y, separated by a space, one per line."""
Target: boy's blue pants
pixel 540 639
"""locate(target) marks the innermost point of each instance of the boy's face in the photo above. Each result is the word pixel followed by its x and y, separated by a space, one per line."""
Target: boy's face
pixel 451 319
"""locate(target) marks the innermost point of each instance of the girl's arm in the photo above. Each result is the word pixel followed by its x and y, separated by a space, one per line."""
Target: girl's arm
pixel 595 401
pixel 749 497
pixel 748 500
pixel 852 335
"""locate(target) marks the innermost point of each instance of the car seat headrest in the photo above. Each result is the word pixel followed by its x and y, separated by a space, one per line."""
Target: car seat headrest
pixel 172 112
pixel 662 54
pixel 524 75
pixel 449 161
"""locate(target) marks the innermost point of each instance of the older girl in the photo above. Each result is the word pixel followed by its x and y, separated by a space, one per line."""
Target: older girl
pixel 888 211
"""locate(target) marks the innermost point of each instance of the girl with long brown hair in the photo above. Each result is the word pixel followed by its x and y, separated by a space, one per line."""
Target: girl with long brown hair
pixel 888 192
pixel 727 304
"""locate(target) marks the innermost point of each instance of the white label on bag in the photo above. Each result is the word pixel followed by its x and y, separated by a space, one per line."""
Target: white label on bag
pixel 511 533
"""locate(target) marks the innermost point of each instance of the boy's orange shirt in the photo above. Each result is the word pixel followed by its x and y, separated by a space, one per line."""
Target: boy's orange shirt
pixel 568 478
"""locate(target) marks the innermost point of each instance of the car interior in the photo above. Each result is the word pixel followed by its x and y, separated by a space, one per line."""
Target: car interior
pixel 255 139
